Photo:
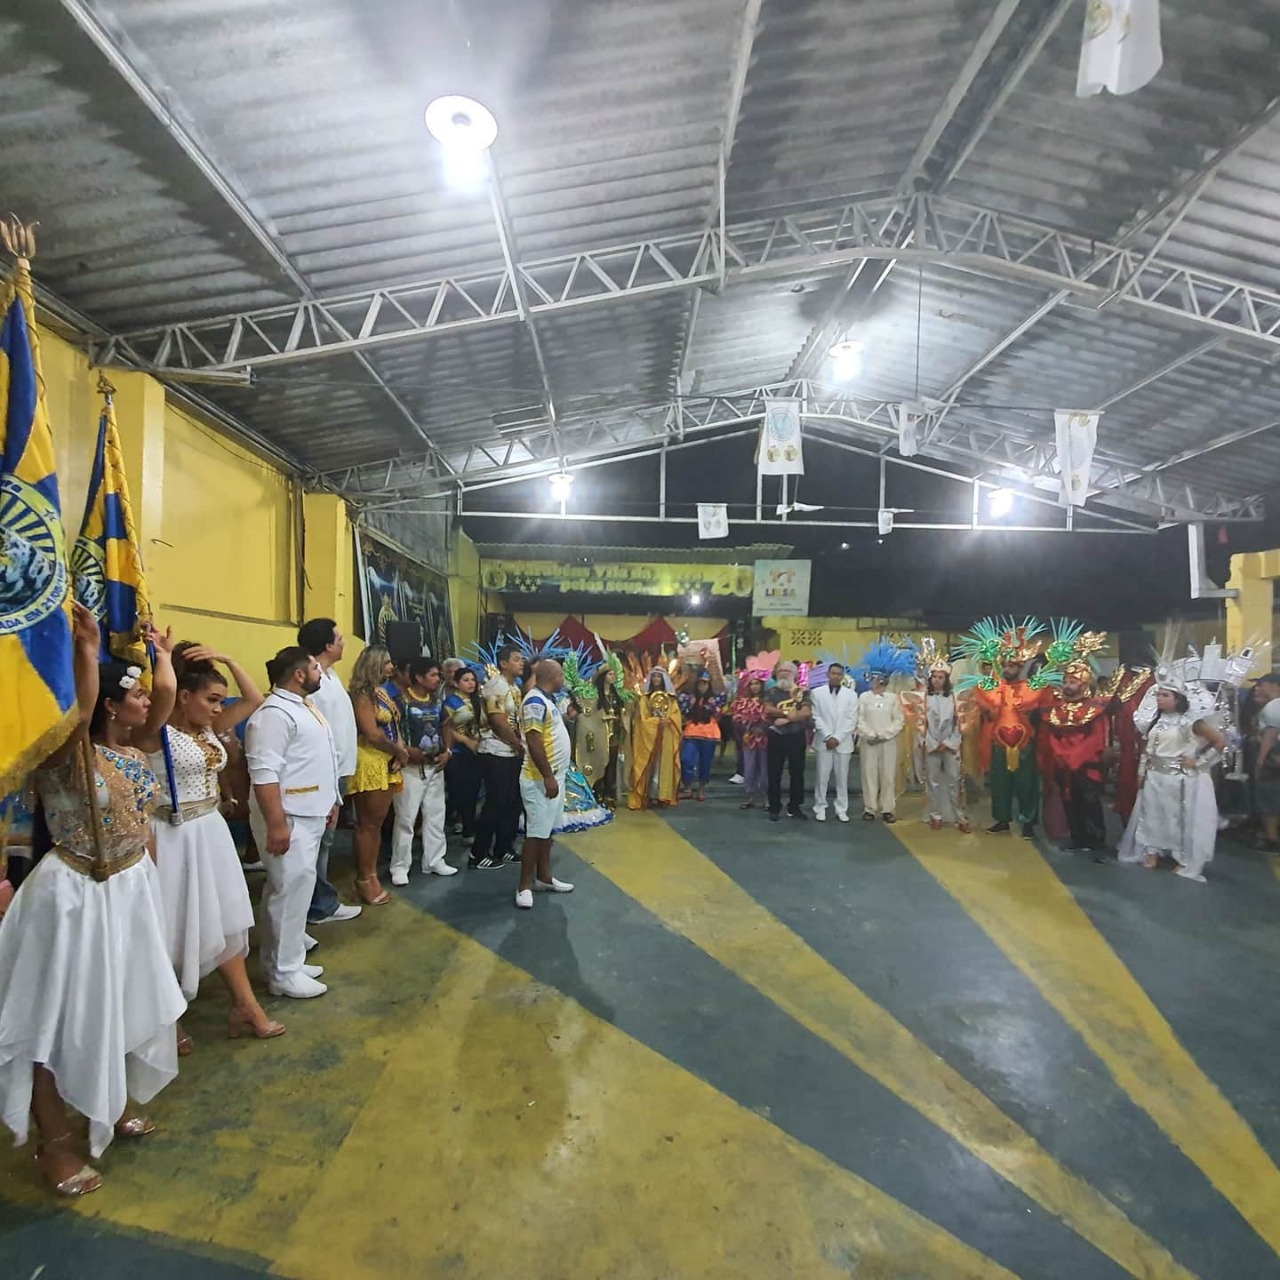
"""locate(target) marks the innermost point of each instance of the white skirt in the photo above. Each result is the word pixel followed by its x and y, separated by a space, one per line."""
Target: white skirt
pixel 207 912
pixel 1176 814
pixel 87 990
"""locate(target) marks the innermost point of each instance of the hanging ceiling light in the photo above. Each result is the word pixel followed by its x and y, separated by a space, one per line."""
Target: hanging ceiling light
pixel 846 359
pixel 465 130
pixel 561 483
pixel 1000 503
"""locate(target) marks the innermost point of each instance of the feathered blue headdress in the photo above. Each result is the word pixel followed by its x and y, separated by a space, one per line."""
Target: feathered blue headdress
pixel 487 655
pixel 882 659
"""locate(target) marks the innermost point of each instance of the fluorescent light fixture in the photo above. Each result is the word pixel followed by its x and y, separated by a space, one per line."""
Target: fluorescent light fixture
pixel 999 503
pixel 465 130
pixel 561 483
pixel 846 359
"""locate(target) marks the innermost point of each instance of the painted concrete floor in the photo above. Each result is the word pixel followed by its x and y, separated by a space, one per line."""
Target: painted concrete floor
pixel 739 1050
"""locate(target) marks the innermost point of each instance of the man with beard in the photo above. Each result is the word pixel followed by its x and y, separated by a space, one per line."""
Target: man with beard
pixel 787 714
pixel 294 770
pixel 1076 733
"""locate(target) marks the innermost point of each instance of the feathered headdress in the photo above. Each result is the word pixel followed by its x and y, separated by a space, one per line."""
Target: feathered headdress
pixel 1072 648
pixel 997 642
pixel 882 659
pixel 580 668
pixel 929 659
pixel 614 664
pixel 818 671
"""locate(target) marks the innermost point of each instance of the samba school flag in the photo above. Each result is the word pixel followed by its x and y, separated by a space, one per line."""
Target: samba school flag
pixel 38 706
pixel 106 562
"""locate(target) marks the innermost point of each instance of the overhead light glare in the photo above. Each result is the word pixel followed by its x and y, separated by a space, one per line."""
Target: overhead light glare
pixel 846 359
pixel 1000 503
pixel 695 599
pixel 465 130
pixel 561 483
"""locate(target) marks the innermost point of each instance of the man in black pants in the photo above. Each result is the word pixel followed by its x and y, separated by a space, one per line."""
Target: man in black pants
pixel 788 713
pixel 501 757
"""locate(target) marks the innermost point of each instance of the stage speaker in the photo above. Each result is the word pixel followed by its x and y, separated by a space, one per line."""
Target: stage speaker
pixel 405 640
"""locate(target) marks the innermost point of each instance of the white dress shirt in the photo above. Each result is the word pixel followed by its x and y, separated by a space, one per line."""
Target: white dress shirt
pixel 287 741
pixel 880 716
pixel 334 703
pixel 835 715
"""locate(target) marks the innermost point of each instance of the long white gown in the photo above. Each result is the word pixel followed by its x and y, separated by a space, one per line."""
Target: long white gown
pixel 86 986
pixel 1177 810
pixel 207 910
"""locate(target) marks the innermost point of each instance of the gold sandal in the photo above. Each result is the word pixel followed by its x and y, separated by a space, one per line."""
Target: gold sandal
pixel 138 1126
pixel 380 899
pixel 81 1183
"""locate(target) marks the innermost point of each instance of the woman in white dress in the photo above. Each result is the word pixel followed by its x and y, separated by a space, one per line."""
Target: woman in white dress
pixel 1176 814
pixel 207 911
pixel 88 1000
pixel 943 781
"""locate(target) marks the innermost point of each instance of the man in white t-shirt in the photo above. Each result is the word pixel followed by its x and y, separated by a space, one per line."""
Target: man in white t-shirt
pixel 542 780
pixel 321 638
pixel 500 755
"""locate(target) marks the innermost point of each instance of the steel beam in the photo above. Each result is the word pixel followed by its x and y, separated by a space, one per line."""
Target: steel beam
pixel 966 237
pixel 162 105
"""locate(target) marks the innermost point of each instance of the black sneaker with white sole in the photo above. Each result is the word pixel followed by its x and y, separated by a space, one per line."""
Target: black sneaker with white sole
pixel 491 863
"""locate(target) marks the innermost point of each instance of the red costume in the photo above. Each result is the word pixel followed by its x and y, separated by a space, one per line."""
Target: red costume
pixel 1126 692
pixel 1075 739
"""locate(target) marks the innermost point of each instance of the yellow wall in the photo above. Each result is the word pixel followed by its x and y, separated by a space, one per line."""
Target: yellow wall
pixel 221 529
pixel 465 596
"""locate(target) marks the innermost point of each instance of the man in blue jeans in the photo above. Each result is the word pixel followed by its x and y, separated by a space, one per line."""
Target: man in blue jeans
pixel 321 638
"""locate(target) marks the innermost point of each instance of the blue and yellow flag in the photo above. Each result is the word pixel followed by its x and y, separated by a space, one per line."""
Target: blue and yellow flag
pixel 107 565
pixel 38 702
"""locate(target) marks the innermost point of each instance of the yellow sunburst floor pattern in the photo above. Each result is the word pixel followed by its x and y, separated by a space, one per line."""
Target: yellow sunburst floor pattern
pixel 739 1049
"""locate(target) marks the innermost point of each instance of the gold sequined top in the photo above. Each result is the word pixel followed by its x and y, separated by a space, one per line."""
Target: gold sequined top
pixel 124 793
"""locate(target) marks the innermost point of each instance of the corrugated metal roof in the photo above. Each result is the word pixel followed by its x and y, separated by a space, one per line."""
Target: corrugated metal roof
pixel 611 119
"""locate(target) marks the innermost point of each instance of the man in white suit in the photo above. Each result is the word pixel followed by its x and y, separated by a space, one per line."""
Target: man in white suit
pixel 880 722
pixel 835 721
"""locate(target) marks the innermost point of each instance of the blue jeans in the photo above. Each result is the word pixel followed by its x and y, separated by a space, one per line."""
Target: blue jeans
pixel 696 758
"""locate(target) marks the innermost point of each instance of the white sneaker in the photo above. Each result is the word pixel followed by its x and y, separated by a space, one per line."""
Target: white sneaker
pixel 441 868
pixel 844 817
pixel 819 815
pixel 737 779
pixel 297 986
pixel 309 942
pixel 343 912
pixel 399 878
pixel 524 898
pixel 313 970
pixel 556 886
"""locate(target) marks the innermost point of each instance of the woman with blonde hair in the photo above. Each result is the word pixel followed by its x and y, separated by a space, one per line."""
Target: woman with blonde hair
pixel 380 757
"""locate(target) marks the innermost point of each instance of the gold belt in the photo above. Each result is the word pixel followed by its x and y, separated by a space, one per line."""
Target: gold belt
pixel 88 867
pixel 187 811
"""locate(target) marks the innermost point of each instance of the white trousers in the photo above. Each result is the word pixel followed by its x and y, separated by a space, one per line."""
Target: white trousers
pixel 944 789
pixel 424 796
pixel 832 763
pixel 291 880
pixel 879 767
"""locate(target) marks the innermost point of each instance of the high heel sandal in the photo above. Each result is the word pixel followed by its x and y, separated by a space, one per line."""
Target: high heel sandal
pixel 240 1023
pixel 186 1045
pixel 135 1127
pixel 79 1184
pixel 379 899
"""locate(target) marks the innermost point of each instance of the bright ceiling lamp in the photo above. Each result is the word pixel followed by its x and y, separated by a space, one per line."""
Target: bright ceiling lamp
pixel 561 483
pixel 465 130
pixel 846 359
pixel 1000 503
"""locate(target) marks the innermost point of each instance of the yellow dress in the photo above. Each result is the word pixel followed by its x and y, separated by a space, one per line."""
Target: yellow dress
pixel 374 769
pixel 655 750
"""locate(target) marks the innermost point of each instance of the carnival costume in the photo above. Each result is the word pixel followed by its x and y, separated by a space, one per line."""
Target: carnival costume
pixel 1176 812
pixel 1075 739
pixel 582 810
pixel 86 983
pixel 940 734
pixel 881 719
pixel 207 911
pixel 1007 705
pixel 1126 689
pixel 655 746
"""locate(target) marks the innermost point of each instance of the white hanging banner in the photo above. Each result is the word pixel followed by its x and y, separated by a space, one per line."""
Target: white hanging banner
pixel 713 520
pixel 1121 49
pixel 1077 436
pixel 780 452
pixel 908 415
pixel 884 522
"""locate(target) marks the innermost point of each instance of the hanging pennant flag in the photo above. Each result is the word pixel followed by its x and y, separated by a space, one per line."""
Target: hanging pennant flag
pixel 1121 49
pixel 1077 435
pixel 713 520
pixel 908 415
pixel 39 700
pixel 780 452
pixel 106 561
